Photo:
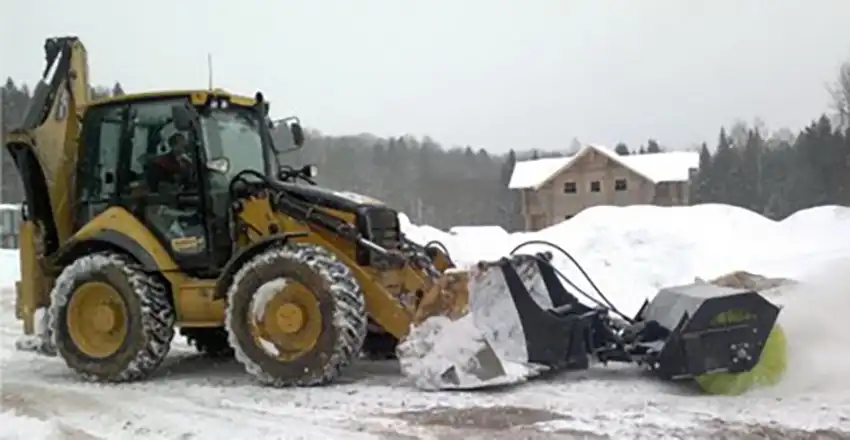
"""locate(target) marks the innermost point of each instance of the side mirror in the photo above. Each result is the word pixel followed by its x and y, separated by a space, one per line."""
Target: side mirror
pixel 297 134
pixel 219 165
pixel 183 117
pixel 310 171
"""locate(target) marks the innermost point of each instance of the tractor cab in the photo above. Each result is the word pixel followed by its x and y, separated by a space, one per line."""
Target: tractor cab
pixel 168 158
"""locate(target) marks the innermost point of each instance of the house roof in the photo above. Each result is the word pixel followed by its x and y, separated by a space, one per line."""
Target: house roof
pixel 673 166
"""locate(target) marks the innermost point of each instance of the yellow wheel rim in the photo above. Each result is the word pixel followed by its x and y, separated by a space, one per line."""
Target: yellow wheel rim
pixel 289 324
pixel 767 372
pixel 97 319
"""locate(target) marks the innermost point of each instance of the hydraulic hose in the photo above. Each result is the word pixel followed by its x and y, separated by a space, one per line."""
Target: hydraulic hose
pixel 604 302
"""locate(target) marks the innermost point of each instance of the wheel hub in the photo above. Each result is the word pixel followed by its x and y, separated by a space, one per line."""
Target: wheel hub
pixel 290 320
pixel 96 319
pixel 104 319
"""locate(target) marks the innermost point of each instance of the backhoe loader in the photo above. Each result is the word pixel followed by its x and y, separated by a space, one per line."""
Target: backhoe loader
pixel 151 212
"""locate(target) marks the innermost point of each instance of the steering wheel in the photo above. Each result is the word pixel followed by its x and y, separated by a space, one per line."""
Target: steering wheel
pixel 240 180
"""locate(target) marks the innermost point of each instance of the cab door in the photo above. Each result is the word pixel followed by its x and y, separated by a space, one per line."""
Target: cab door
pixel 166 194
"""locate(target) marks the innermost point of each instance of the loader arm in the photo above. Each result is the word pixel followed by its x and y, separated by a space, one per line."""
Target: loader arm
pixel 44 148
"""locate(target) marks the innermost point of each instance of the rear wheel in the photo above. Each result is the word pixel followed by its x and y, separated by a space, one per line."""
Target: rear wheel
pixel 296 316
pixel 109 320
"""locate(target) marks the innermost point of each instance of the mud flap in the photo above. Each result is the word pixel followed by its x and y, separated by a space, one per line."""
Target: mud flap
pixel 512 331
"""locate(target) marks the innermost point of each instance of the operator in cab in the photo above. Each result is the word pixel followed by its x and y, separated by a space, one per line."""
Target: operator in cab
pixel 175 165
pixel 172 172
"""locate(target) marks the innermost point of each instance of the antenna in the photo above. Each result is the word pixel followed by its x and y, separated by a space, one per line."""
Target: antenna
pixel 210 70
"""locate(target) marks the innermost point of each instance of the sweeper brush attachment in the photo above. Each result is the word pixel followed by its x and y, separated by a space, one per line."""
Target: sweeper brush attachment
pixel 522 320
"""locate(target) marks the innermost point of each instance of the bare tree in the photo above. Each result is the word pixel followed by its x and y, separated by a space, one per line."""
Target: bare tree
pixel 840 92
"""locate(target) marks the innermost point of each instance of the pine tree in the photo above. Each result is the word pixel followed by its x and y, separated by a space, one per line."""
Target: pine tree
pixel 750 191
pixel 117 90
pixel 652 147
pixel 622 149
pixel 702 190
pixel 723 168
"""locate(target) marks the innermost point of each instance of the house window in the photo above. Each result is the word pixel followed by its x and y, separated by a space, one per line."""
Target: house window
pixel 570 187
pixel 620 185
pixel 595 186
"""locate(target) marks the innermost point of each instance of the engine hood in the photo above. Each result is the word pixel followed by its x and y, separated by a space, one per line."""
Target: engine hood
pixel 339 200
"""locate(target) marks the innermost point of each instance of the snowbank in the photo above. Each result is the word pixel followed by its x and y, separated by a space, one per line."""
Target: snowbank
pixel 631 252
pixel 491 231
pixel 9 272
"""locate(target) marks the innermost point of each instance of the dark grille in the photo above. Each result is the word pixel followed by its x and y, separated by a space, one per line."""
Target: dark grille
pixel 379 225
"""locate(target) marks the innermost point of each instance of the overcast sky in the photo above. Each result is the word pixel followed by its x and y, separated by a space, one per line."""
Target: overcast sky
pixel 496 74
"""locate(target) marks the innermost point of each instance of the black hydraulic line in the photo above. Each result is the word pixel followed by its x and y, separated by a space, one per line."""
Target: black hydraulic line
pixel 604 302
pixel 568 281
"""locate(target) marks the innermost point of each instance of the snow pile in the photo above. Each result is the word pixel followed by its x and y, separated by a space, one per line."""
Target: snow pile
pixel 490 232
pixel 422 234
pixel 630 253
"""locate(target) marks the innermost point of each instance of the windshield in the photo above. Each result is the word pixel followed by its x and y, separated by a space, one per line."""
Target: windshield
pixel 234 133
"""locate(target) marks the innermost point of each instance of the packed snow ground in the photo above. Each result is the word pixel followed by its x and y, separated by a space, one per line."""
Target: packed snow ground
pixel 629 252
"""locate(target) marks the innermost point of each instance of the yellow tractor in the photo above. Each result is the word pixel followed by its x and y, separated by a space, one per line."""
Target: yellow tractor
pixel 147 213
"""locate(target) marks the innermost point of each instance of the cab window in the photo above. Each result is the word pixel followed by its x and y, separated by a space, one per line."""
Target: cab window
pixel 98 161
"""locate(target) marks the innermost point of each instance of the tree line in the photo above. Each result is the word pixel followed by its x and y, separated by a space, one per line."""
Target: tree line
pixel 772 173
pixel 777 178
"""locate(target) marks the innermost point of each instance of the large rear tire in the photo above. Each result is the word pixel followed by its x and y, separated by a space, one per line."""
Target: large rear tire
pixel 109 320
pixel 296 316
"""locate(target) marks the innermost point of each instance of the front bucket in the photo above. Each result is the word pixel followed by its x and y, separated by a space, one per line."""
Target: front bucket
pixel 510 331
pixel 712 329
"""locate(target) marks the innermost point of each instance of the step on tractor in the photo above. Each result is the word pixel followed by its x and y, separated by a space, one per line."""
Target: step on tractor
pixel 162 212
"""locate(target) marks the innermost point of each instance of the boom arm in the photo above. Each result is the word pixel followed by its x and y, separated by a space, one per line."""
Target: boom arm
pixel 44 146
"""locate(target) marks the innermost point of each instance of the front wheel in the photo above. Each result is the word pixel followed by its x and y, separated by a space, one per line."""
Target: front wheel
pixel 296 316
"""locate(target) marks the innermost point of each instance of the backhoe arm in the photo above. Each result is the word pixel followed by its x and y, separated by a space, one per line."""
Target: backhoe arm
pixel 44 145
pixel 44 149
